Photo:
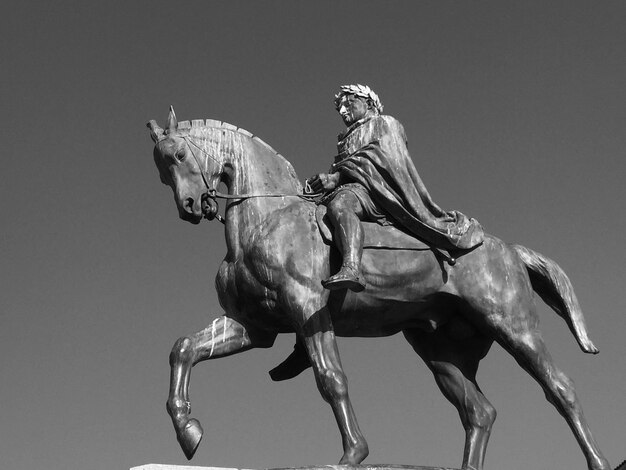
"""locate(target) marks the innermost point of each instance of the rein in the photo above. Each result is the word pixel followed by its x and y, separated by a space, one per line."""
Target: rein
pixel 214 194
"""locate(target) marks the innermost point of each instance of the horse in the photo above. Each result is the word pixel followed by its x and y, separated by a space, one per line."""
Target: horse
pixel 270 283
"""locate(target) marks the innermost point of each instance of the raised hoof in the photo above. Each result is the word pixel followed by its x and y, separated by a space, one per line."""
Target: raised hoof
pixel 190 437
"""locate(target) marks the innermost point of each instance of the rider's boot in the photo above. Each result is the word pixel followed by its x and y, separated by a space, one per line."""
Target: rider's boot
pixel 348 277
pixel 350 238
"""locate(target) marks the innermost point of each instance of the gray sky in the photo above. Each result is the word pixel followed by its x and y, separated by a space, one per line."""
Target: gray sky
pixel 515 113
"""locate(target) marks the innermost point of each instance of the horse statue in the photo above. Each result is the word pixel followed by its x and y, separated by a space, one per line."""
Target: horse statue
pixel 270 283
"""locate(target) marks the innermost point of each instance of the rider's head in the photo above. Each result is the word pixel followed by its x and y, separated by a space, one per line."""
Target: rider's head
pixel 355 102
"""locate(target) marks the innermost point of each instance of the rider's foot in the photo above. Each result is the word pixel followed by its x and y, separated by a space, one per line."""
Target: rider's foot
pixel 348 277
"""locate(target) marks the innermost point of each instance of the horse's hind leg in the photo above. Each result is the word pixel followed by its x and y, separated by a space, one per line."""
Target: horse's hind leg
pixel 224 337
pixel 530 352
pixel 454 362
pixel 515 329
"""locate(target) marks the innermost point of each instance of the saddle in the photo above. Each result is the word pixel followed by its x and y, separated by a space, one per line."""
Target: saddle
pixel 378 236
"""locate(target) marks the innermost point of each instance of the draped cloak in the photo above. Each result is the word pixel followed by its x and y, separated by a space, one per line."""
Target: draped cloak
pixel 373 154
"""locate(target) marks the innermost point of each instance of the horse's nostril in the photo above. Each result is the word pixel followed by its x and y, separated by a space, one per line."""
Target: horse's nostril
pixel 189 204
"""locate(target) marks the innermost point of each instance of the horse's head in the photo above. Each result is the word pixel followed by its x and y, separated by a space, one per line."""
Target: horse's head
pixel 180 169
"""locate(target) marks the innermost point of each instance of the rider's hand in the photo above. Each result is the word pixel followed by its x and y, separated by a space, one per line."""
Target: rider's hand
pixel 323 182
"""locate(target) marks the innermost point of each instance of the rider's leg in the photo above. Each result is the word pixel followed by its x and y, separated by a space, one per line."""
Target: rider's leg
pixel 345 213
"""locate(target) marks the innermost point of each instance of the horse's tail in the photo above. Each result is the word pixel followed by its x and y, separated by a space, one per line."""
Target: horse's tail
pixel 621 466
pixel 551 283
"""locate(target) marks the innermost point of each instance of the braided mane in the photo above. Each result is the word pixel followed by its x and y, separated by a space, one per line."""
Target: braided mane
pixel 217 136
pixel 198 128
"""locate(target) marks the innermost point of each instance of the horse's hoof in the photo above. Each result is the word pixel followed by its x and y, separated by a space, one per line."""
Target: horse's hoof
pixel 190 437
pixel 355 455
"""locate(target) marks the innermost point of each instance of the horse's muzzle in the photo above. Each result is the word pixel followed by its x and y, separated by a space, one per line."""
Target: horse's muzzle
pixel 190 211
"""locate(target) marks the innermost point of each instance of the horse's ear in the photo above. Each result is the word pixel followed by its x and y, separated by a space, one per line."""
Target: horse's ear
pixel 156 133
pixel 172 122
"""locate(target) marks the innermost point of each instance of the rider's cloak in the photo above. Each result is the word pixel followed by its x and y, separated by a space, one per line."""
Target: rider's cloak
pixel 373 153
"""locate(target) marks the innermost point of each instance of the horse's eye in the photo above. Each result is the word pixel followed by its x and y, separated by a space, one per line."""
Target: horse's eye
pixel 181 154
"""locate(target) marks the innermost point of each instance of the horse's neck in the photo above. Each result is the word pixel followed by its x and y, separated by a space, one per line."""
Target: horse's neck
pixel 260 170
pixel 257 171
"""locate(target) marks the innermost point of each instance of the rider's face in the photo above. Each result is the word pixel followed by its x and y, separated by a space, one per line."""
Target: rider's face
pixel 352 108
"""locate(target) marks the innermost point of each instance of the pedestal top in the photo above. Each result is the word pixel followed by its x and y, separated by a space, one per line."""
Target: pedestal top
pixel 154 466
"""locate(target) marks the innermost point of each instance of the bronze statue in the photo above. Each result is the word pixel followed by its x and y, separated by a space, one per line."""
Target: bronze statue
pixel 450 311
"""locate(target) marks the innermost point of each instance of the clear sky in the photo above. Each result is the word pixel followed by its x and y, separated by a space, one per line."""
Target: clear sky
pixel 515 114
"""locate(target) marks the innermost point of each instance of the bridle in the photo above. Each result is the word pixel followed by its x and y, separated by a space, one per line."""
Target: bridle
pixel 213 193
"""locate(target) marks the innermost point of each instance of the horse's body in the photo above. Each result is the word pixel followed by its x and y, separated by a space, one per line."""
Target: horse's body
pixel 269 283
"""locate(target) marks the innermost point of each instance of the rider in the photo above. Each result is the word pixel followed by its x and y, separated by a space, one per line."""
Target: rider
pixel 373 178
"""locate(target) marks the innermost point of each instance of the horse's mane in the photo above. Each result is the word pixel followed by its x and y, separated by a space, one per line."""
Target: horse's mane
pixel 205 131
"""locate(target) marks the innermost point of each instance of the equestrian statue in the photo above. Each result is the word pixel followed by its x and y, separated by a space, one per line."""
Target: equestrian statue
pixel 360 251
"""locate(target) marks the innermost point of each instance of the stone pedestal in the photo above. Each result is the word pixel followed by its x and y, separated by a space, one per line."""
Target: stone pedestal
pixel 157 466
pixel 154 466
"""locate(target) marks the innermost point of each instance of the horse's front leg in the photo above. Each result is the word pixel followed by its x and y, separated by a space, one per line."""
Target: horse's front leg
pixel 223 337
pixel 321 345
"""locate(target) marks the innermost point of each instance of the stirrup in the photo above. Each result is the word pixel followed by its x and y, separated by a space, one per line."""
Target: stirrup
pixel 348 277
